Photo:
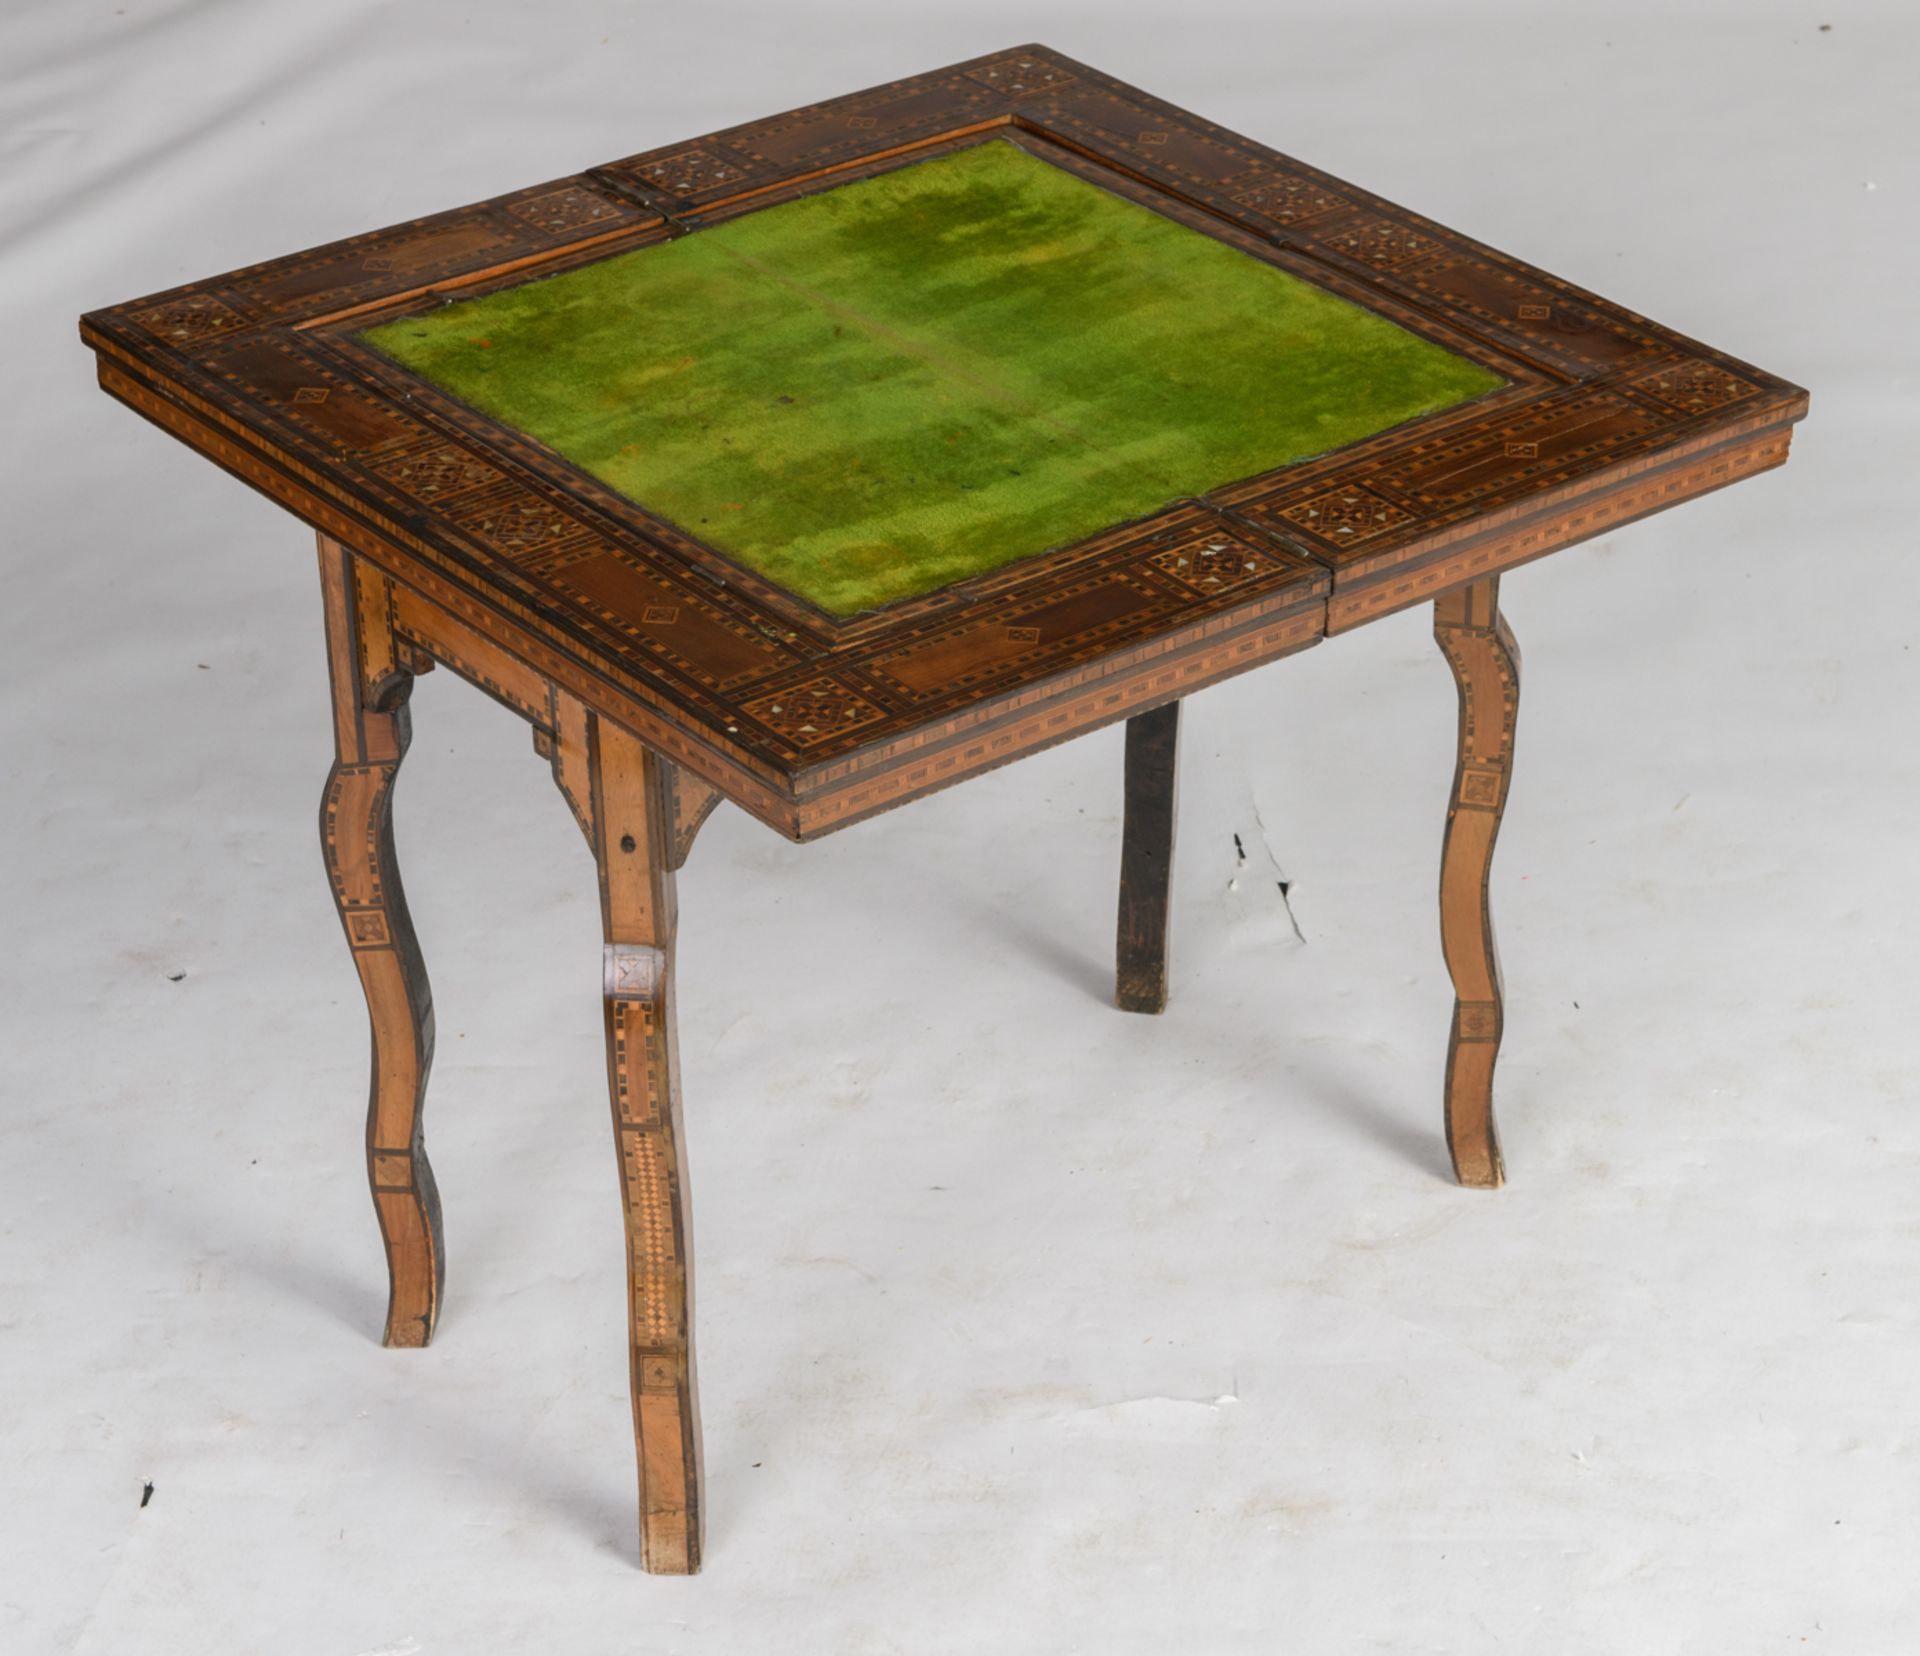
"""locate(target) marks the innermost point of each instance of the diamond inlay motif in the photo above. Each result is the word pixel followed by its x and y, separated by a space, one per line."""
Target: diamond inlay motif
pixel 1213 564
pixel 1288 200
pixel 813 712
pixel 438 473
pixel 573 208
pixel 523 531
pixel 1694 387
pixel 1019 73
pixel 1479 1020
pixel 1346 517
pixel 1380 243
pixel 196 316
pixel 692 170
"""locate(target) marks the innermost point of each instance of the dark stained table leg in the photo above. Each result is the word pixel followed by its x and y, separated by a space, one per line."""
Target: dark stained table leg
pixel 1146 859
pixel 632 827
pixel 1486 664
pixel 371 732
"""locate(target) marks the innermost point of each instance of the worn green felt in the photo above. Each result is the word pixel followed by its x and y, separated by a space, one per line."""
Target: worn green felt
pixel 882 388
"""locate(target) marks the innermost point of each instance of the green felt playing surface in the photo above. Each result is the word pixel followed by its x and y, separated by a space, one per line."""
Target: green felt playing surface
pixel 902 382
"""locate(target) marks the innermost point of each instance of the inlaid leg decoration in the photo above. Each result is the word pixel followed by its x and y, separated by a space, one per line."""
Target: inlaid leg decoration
pixel 635 845
pixel 693 802
pixel 1486 664
pixel 1146 859
pixel 371 732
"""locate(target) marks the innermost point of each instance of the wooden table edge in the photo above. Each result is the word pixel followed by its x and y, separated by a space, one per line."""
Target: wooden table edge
pixel 805 801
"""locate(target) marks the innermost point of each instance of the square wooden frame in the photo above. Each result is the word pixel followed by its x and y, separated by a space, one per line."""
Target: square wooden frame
pixel 526 574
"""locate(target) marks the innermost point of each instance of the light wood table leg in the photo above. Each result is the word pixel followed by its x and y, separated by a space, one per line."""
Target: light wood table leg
pixel 371 732
pixel 633 829
pixel 1146 859
pixel 1486 665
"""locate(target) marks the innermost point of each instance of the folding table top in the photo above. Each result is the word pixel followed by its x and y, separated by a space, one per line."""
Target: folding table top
pixel 885 387
pixel 845 452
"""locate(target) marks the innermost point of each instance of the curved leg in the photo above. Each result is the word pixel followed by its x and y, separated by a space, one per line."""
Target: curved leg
pixel 1146 859
pixel 634 841
pixel 1486 665
pixel 693 802
pixel 371 732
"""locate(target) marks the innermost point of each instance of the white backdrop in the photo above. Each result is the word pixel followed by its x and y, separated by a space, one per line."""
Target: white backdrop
pixel 1024 1326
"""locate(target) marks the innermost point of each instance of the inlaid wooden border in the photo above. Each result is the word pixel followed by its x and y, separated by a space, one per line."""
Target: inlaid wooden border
pixel 810 721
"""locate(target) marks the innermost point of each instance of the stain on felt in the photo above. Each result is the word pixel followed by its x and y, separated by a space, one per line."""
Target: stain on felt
pixel 917 377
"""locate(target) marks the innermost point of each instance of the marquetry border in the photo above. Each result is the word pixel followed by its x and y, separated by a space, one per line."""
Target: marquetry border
pixel 810 721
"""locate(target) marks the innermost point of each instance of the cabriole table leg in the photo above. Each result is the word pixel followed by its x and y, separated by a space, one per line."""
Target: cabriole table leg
pixel 1486 665
pixel 634 845
pixel 371 731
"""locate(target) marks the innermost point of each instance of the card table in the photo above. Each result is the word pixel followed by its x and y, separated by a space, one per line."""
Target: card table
pixel 828 460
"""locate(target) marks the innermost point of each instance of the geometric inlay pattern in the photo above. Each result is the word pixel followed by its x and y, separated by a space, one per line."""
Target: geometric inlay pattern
pixel 436 474
pixel 522 531
pixel 1479 1020
pixel 1348 516
pixel 572 208
pixel 1694 387
pixel 813 712
pixel 1380 243
pixel 1213 564
pixel 1288 200
pixel 652 1236
pixel 190 317
pixel 691 170
pixel 1480 787
pixel 1018 72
